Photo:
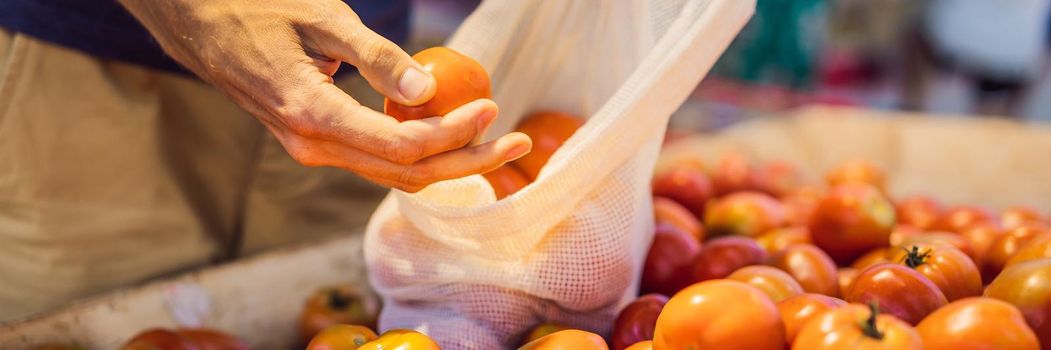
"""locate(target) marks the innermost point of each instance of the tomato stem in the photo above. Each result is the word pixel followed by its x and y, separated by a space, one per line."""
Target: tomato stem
pixel 914 258
pixel 869 326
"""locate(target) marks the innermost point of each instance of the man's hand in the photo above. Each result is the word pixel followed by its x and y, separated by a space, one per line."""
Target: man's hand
pixel 275 58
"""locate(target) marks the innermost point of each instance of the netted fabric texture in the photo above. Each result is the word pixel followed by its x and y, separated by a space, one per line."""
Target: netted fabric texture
pixel 476 273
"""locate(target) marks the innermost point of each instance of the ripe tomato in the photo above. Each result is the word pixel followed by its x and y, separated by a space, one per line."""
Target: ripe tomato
pixel 721 256
pixel 542 330
pixel 975 324
pixel 858 327
pixel 744 214
pixel 946 238
pixel 776 178
pixel 947 267
pixel 548 130
pixel 1008 245
pixel 850 220
pixel 1037 248
pixel 1027 286
pixel 667 211
pixel 506 180
pixel 845 276
pixel 732 174
pixel 669 264
pixel 335 305
pixel 720 314
pixel 642 345
pixel 873 257
pixel 919 211
pixel 800 206
pixel 856 171
pixel 636 322
pixel 1017 216
pixel 776 240
pixel 898 290
pixel 687 186
pixel 959 218
pixel 570 339
pixel 459 80
pixel 981 236
pixel 341 337
pixel 814 269
pixel 777 284
pixel 901 232
pixel 57 347
pixel 160 339
pixel 797 310
pixel 209 339
pixel 401 339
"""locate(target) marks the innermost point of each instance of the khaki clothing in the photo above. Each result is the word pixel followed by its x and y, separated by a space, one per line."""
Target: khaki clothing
pixel 111 174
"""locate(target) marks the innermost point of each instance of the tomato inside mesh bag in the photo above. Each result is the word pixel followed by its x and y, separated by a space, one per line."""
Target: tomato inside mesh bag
pixel 476 273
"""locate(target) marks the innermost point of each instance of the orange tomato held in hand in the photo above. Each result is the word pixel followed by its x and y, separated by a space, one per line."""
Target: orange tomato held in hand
pixel 401 339
pixel 777 284
pixel 570 339
pixel 1027 286
pixel 857 327
pixel 743 214
pixel 851 220
pixel 898 290
pixel 720 314
pixel 548 130
pixel 459 80
pixel 814 269
pixel 341 337
pixel 977 324
pixel 506 180
pixel 798 310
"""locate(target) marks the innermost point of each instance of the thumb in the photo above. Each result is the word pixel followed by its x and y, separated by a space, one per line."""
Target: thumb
pixel 384 65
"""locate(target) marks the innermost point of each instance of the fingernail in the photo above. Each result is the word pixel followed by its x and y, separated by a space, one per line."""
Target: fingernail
pixel 518 152
pixel 485 119
pixel 413 83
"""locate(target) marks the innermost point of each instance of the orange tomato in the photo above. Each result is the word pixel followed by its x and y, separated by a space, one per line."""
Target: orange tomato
pixel 341 337
pixel 856 326
pixel 950 269
pixel 920 212
pixel 570 339
pixel 959 218
pixel 506 180
pixel 670 212
pixel 459 80
pixel 744 214
pixel 642 345
pixel 901 232
pixel 685 185
pixel 401 339
pixel 1027 286
pixel 898 290
pixel 1017 216
pixel 548 130
pixel 851 220
pixel 977 324
pixel 776 178
pixel 209 339
pixel 873 257
pixel 797 310
pixel 720 314
pixel 777 284
pixel 845 276
pixel 543 330
pixel 153 339
pixel 815 270
pixel 856 171
pixel 732 174
pixel 776 240
pixel 981 236
pixel 800 205
pixel 946 238
pixel 1008 245
pixel 331 305
pixel 64 347
pixel 1037 248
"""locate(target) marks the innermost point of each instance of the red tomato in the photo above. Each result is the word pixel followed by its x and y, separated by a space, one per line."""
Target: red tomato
pixel 341 337
pixel 898 290
pixel 947 267
pixel 901 232
pixel 776 240
pixel 506 180
pixel 209 339
pixel 982 236
pixel 720 314
pixel 1037 248
pixel 687 186
pixel 920 212
pixel 160 339
pixel 858 327
pixel 637 321
pixel 797 310
pixel 873 257
pixel 401 339
pixel 732 174
pixel 548 130
pixel 856 171
pixel 743 213
pixel 459 80
pixel 57 347
pixel 667 211
pixel 1027 286
pixel 800 206
pixel 542 330
pixel 1017 216
pixel 642 345
pixel 1008 245
pixel 959 218
pixel 977 324
pixel 570 339
pixel 946 238
pixel 845 276
pixel 775 178
pixel 850 220
pixel 777 284
pixel 335 305
pixel 721 256
pixel 814 269
pixel 669 264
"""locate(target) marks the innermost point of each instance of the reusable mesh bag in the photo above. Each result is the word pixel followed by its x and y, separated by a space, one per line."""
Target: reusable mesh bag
pixel 475 273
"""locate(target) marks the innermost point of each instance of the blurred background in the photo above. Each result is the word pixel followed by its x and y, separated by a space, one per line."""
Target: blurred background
pixel 987 58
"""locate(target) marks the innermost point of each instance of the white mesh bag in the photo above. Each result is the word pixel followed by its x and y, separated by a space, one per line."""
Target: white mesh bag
pixel 476 273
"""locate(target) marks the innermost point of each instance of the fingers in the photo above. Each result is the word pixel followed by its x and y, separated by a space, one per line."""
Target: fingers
pixel 386 66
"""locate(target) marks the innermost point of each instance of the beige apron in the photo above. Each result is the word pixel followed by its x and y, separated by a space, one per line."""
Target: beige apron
pixel 111 174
